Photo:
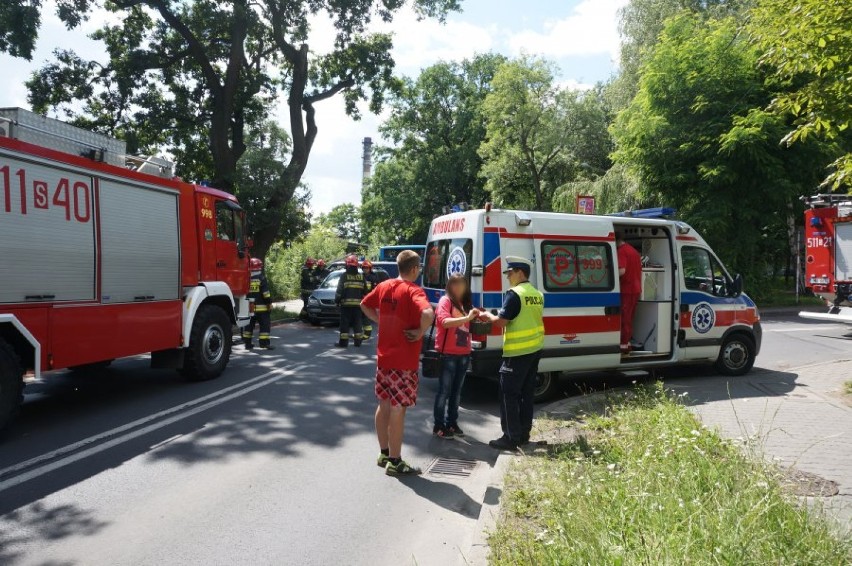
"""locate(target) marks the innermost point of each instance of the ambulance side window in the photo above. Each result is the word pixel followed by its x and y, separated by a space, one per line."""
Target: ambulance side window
pixel 703 272
pixel 577 266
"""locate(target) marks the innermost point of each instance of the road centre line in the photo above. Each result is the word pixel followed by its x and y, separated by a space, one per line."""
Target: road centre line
pixel 42 464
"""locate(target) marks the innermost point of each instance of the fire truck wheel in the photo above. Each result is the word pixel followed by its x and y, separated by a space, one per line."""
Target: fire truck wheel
pixel 546 386
pixel 209 344
pixel 11 383
pixel 736 356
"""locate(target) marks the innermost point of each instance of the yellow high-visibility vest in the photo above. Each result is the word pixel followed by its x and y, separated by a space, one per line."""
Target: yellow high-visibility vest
pixel 525 334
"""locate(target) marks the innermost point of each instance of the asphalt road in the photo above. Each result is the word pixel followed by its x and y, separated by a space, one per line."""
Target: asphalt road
pixel 273 463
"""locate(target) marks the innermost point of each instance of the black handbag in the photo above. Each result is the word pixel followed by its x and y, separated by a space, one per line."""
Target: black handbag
pixel 433 360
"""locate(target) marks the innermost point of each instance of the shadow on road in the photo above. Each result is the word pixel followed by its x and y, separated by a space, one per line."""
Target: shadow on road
pixel 39 524
pixel 447 495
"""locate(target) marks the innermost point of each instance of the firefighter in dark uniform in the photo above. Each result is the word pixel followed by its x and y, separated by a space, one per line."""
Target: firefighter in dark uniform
pixel 308 284
pixel 372 279
pixel 320 273
pixel 350 290
pixel 259 291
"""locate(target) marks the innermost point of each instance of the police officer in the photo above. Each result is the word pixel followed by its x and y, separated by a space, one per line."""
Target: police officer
pixel 259 291
pixel 351 288
pixel 308 284
pixel 372 279
pixel 523 339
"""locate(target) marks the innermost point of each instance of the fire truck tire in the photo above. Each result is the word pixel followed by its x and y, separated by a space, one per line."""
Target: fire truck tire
pixel 209 344
pixel 737 355
pixel 546 386
pixel 11 383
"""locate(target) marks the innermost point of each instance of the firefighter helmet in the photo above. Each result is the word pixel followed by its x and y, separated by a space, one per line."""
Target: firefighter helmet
pixel 310 262
pixel 367 264
pixel 351 261
pixel 320 263
pixel 256 264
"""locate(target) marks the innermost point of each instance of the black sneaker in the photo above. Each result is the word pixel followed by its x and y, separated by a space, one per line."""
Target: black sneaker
pixel 456 430
pixel 504 443
pixel 442 432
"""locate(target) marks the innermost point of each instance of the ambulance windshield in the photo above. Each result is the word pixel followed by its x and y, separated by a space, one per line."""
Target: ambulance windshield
pixel 445 258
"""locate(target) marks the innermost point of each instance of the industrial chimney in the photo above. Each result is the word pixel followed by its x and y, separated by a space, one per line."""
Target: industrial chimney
pixel 367 158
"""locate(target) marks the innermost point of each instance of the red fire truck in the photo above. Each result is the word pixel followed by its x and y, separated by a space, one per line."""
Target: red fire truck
pixel 103 256
pixel 828 256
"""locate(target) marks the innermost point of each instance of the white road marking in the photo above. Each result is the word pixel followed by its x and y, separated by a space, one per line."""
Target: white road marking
pixel 48 462
pixel 814 328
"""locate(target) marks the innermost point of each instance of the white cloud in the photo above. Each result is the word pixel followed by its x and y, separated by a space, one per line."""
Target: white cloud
pixel 591 29
pixel 573 84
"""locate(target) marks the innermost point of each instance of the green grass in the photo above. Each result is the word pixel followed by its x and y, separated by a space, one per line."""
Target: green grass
pixel 278 314
pixel 777 293
pixel 847 387
pixel 647 484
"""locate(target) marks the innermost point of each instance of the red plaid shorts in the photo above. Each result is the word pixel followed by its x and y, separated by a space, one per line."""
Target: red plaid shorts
pixel 397 386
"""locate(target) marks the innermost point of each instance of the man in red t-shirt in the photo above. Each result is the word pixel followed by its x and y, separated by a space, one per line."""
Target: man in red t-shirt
pixel 403 313
pixel 630 281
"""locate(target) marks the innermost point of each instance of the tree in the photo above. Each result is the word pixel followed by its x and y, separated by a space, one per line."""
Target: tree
pixel 213 56
pixel 344 220
pixel 698 138
pixel 259 169
pixel 808 45
pixel 539 137
pixel 640 24
pixel 435 128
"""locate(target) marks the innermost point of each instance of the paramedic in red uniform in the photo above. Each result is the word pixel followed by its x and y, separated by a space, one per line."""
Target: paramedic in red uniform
pixel 630 281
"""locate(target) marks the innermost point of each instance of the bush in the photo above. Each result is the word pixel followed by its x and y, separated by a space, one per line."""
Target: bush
pixel 284 263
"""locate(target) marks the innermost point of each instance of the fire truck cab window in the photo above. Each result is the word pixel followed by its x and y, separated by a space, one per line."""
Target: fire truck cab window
pixel 703 272
pixel 224 222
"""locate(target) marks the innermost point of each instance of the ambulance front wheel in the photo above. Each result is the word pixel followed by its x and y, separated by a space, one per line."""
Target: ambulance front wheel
pixel 11 383
pixel 546 386
pixel 209 344
pixel 736 356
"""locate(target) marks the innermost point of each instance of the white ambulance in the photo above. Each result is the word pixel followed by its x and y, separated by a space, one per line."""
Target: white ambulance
pixel 691 310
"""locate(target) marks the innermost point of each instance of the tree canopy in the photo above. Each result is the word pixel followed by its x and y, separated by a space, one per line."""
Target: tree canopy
pixel 189 74
pixel 807 44
pixel 435 128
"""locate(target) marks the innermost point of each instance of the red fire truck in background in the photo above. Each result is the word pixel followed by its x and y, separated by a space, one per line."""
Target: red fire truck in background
pixel 104 256
pixel 828 255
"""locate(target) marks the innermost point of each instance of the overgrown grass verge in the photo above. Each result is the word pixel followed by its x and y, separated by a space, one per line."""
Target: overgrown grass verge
pixel 647 484
pixel 279 314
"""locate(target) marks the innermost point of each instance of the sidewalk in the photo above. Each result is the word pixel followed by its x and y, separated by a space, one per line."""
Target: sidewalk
pixel 796 417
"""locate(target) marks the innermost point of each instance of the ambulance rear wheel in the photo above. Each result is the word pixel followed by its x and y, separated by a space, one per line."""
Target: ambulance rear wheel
pixel 736 356
pixel 546 386
pixel 209 344
pixel 11 383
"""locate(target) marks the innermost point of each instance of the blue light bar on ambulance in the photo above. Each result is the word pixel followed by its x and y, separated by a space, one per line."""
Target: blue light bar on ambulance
pixel 658 212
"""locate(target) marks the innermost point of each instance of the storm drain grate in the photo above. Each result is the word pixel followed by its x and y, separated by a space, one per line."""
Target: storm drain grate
pixel 451 467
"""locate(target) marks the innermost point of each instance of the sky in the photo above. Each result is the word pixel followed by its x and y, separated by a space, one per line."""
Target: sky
pixel 580 36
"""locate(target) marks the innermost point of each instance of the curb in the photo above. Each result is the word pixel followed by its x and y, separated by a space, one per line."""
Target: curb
pixel 477 554
pixel 778 312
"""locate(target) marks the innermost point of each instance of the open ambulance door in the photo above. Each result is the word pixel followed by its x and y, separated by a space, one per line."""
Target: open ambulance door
pixel 655 320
